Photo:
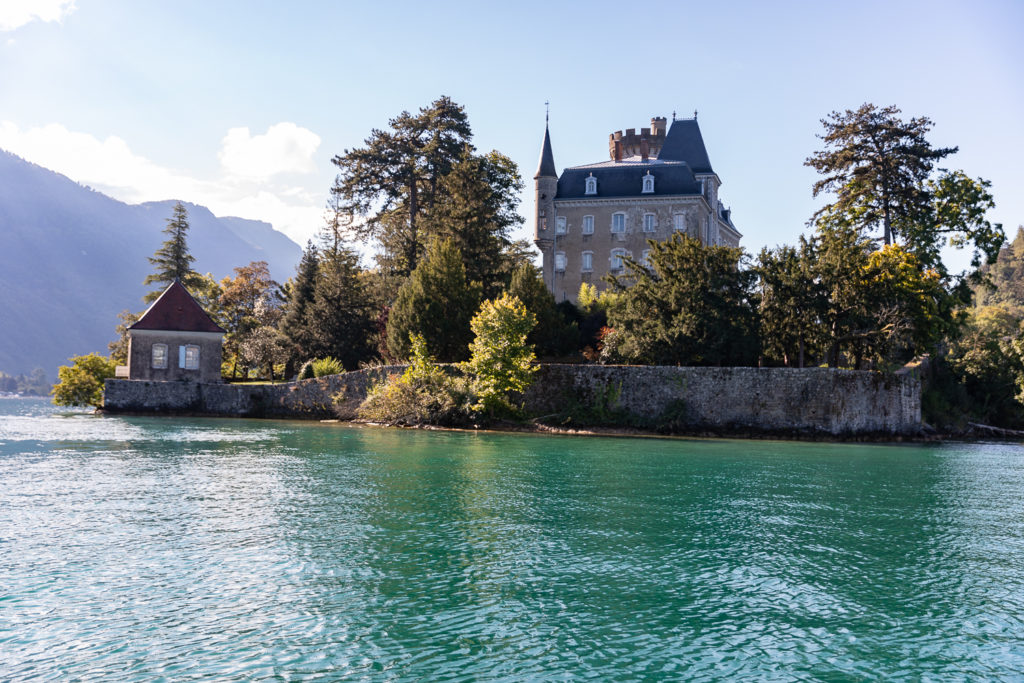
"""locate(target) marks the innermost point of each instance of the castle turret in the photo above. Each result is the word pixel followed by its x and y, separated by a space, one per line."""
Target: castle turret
pixel 545 184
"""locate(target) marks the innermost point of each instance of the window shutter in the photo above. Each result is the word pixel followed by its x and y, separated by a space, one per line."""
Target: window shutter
pixel 181 356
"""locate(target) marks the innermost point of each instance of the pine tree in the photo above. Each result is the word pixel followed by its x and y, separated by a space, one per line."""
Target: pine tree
pixel 391 182
pixel 340 318
pixel 296 324
pixel 436 302
pixel 173 260
pixel 477 212
pixel 877 165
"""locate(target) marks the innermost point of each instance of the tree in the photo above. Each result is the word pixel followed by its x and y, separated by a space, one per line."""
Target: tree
pixel 959 205
pixel 478 210
pixel 240 301
pixel 340 318
pixel 436 302
pixel 296 324
pixel 383 189
pixel 877 165
pixel 790 305
pixel 987 363
pixel 119 347
pixel 264 348
pixel 81 383
pixel 173 260
pixel 501 360
pixel 691 305
pixel 552 335
pixel 1005 275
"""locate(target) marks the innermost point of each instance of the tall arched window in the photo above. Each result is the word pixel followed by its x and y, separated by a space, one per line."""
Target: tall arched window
pixel 648 184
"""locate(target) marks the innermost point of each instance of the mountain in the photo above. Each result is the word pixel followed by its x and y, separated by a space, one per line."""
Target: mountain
pixel 72 258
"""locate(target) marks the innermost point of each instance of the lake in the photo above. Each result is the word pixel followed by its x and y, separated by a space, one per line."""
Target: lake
pixel 140 549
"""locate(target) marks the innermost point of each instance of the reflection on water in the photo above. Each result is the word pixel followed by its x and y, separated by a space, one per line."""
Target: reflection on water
pixel 140 548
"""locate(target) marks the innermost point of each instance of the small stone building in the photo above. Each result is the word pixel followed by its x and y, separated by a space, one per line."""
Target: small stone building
pixel 175 339
pixel 653 185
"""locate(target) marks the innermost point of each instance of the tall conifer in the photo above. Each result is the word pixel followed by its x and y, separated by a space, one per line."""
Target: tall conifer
pixel 173 260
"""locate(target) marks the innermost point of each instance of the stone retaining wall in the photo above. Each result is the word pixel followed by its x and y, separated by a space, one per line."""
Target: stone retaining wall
pixel 747 399
pixel 783 400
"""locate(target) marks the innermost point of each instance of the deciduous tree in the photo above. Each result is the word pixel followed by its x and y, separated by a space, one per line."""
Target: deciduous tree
pixel 81 383
pixel 501 360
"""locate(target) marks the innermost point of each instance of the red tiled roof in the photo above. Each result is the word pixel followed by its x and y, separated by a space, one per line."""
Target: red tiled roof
pixel 176 311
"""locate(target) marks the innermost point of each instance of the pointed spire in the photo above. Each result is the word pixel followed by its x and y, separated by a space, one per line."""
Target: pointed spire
pixel 547 159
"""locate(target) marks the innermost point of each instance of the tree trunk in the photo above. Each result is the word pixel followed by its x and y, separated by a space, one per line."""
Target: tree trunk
pixel 414 207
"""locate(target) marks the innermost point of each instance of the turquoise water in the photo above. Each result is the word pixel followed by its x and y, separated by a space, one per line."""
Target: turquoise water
pixel 139 549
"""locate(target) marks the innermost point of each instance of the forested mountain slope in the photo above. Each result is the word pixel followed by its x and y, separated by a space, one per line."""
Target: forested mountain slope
pixel 72 258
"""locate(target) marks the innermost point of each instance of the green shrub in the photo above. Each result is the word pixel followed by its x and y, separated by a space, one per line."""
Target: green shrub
pixel 323 367
pixel 306 371
pixel 424 394
pixel 501 361
pixel 81 383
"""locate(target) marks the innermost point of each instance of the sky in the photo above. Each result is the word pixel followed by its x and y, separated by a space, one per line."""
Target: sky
pixel 241 105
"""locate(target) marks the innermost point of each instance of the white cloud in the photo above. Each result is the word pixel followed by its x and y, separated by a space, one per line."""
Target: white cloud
pixel 16 13
pixel 284 148
pixel 110 166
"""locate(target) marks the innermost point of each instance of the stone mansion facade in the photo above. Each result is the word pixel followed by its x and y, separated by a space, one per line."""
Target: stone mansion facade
pixel 653 185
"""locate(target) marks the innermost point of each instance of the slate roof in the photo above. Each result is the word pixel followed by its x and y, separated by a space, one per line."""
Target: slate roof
pixel 625 179
pixel 685 143
pixel 681 157
pixel 176 311
pixel 547 159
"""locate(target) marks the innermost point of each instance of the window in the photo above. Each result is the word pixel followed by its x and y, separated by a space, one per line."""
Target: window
pixel 188 357
pixel 588 261
pixel 646 260
pixel 560 224
pixel 648 222
pixel 560 261
pixel 616 260
pixel 679 222
pixel 160 356
pixel 619 223
pixel 588 225
pixel 591 184
pixel 648 184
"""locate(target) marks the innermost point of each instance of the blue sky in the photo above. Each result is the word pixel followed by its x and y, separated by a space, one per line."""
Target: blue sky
pixel 241 105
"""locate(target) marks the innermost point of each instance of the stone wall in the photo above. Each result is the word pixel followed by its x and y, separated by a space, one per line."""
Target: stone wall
pixel 336 396
pixel 820 400
pixel 779 400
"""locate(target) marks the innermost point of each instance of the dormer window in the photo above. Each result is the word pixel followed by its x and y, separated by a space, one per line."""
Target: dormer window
pixel 648 184
pixel 591 184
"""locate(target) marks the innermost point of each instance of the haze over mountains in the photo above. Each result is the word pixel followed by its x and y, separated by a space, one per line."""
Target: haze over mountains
pixel 72 258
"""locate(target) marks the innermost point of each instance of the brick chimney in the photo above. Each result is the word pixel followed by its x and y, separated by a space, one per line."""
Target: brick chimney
pixel 617 154
pixel 645 149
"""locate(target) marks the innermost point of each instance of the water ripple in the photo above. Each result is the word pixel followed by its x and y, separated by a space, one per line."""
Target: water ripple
pixel 145 549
